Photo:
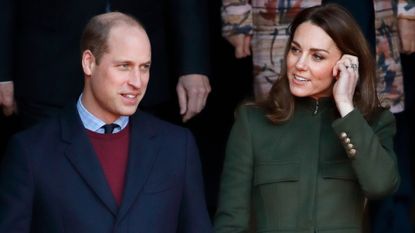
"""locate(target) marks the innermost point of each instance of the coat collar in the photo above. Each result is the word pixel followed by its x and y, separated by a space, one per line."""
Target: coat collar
pixel 143 151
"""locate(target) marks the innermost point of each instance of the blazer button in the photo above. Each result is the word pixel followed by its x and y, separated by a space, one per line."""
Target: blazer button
pixel 343 135
pixel 352 153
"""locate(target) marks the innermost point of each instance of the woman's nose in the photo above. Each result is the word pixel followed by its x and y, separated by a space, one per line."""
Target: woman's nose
pixel 301 63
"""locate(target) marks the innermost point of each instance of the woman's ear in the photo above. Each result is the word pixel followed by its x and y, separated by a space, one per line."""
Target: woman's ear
pixel 336 71
pixel 88 62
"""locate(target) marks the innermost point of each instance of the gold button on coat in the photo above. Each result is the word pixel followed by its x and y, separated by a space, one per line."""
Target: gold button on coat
pixel 346 140
pixel 343 135
pixel 352 153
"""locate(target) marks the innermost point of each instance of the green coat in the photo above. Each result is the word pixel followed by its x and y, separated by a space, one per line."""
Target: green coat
pixel 310 174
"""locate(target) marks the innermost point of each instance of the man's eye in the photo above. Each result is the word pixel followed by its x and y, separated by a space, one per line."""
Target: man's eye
pixel 124 66
pixel 145 67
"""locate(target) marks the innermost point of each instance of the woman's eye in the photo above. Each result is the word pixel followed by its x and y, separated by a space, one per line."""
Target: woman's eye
pixel 317 57
pixel 294 49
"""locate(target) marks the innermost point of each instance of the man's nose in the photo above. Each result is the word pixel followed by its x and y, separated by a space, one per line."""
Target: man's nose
pixel 135 78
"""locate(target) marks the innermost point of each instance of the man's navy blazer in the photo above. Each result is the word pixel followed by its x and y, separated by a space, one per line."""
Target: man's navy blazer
pixel 52 182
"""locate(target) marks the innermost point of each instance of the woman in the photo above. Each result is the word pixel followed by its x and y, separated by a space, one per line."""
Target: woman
pixel 306 158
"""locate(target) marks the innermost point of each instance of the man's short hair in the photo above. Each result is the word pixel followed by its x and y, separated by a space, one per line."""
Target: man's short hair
pixel 96 32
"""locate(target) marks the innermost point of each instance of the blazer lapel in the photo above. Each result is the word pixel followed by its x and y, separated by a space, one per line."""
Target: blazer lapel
pixel 82 156
pixel 143 152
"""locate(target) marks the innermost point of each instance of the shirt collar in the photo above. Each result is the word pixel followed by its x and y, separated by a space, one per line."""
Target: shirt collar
pixel 93 123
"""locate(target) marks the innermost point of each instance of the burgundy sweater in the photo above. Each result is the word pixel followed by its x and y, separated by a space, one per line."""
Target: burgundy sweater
pixel 112 152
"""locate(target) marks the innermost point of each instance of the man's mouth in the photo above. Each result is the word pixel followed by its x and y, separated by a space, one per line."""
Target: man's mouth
pixel 130 96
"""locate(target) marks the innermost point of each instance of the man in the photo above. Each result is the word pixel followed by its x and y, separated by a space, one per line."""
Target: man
pixel 64 175
pixel 39 41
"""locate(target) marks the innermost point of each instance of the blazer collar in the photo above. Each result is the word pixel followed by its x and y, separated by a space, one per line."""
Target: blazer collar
pixel 143 152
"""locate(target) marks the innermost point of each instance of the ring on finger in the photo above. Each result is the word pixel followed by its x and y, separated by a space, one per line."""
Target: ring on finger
pixel 354 66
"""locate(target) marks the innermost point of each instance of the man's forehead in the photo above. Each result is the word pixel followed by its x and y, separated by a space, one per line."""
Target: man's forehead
pixel 126 26
pixel 128 44
pixel 125 32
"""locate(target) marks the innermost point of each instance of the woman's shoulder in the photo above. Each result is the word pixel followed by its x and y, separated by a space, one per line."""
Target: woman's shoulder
pixel 382 116
pixel 253 115
pixel 250 111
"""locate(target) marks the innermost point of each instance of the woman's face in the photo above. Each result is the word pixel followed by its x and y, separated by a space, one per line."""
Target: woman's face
pixel 310 61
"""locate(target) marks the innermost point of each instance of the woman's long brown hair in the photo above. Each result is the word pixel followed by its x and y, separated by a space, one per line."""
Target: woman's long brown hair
pixel 345 32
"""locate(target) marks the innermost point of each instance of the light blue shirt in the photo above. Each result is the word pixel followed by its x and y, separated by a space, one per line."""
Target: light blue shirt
pixel 94 124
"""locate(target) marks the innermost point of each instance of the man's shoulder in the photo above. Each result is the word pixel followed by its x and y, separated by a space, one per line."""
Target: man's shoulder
pixel 41 125
pixel 36 141
pixel 47 128
pixel 171 135
pixel 156 123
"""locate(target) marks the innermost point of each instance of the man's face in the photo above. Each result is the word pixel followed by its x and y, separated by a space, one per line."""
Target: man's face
pixel 116 85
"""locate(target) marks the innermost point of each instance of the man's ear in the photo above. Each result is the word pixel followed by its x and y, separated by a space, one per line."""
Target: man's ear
pixel 88 62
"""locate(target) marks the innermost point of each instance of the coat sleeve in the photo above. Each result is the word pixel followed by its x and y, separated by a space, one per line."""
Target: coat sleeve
pixel 236 17
pixel 6 39
pixel 371 149
pixel 234 209
pixel 190 32
pixel 194 217
pixel 16 190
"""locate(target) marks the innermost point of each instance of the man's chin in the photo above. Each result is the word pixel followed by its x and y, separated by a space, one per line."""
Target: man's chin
pixel 129 111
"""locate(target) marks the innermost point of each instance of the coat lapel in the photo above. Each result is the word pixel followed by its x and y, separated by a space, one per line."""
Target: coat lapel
pixel 82 156
pixel 144 147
